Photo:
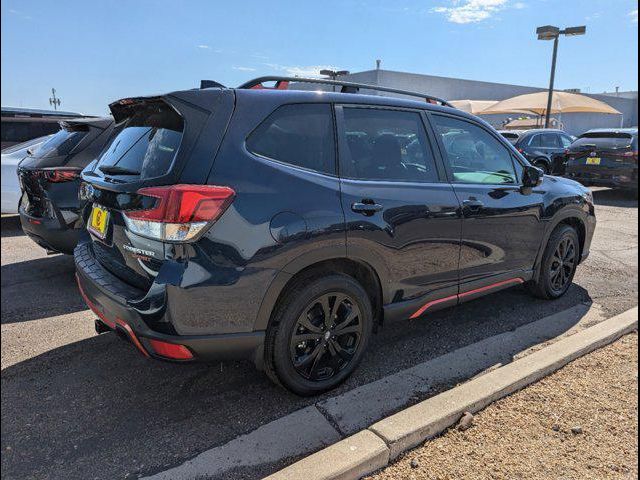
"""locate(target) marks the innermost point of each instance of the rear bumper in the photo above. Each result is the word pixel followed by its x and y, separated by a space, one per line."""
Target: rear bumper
pixel 120 308
pixel 48 233
pixel 623 177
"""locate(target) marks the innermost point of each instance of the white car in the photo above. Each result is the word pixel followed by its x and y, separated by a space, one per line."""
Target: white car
pixel 11 157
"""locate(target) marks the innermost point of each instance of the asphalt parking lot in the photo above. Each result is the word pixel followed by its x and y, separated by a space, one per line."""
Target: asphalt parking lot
pixel 78 405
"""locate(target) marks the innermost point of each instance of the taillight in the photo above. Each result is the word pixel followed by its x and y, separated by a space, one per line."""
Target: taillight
pixel 520 150
pixel 60 175
pixel 180 212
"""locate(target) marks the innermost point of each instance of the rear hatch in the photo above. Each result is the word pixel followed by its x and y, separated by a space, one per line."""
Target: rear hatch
pixel 49 174
pixel 600 155
pixel 162 153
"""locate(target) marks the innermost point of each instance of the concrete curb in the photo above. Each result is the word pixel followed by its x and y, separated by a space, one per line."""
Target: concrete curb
pixel 372 449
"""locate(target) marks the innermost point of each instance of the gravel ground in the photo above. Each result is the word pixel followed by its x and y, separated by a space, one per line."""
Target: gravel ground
pixel 579 423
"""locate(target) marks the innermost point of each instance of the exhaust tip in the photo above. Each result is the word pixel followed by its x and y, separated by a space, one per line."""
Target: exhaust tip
pixel 100 326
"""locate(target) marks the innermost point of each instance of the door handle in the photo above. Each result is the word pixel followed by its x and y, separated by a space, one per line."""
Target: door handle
pixel 473 204
pixel 366 207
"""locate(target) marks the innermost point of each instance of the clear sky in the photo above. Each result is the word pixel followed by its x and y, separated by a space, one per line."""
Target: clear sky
pixel 94 52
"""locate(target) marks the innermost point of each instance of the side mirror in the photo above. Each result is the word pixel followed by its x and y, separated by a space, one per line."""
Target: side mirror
pixel 532 176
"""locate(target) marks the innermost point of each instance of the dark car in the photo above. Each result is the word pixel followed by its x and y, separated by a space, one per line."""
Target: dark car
pixel 288 226
pixel 542 146
pixel 49 178
pixel 604 157
pixel 22 124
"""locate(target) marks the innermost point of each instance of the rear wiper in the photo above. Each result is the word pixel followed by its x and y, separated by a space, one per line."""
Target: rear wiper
pixel 115 170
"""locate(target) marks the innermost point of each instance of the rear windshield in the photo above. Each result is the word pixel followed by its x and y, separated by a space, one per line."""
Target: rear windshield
pixel 145 145
pixel 62 143
pixel 512 137
pixel 613 140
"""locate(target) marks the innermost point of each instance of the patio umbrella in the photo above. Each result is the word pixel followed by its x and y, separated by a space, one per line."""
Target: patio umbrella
pixel 473 106
pixel 562 102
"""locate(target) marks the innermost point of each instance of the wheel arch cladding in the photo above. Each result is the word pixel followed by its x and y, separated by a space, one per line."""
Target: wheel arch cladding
pixel 360 271
pixel 570 218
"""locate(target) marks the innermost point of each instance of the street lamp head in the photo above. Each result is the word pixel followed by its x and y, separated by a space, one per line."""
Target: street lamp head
pixel 573 31
pixel 548 32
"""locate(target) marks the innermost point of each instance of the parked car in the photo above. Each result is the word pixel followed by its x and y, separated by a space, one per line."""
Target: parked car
pixel 11 157
pixel 543 146
pixel 604 157
pixel 21 124
pixel 50 177
pixel 287 226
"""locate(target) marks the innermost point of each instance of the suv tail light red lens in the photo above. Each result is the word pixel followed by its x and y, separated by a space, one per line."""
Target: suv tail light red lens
pixel 60 175
pixel 180 212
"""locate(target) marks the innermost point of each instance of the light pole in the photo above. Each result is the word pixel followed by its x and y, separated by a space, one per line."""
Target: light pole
pixel 549 32
pixel 333 74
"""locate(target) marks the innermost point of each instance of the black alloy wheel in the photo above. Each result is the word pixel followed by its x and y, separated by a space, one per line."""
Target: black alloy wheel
pixel 559 263
pixel 563 264
pixel 326 336
pixel 319 332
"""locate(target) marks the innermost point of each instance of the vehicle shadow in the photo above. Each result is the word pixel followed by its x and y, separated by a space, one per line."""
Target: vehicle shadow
pixel 52 279
pixel 10 226
pixel 103 411
pixel 615 198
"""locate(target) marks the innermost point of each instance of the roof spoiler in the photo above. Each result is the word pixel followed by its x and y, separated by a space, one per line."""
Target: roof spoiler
pixel 210 84
pixel 282 83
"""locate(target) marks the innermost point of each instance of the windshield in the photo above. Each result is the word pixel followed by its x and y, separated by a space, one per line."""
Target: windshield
pixel 511 137
pixel 60 144
pixel 610 140
pixel 146 143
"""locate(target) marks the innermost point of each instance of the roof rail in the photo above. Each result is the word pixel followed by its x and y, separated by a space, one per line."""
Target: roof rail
pixel 282 83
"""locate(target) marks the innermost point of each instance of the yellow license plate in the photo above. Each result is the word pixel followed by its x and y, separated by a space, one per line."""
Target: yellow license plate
pixel 593 161
pixel 98 221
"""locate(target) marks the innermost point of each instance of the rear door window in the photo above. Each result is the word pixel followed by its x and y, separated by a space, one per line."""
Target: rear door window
pixel 301 135
pixel 536 141
pixel 550 140
pixel 146 143
pixel 474 155
pixel 388 145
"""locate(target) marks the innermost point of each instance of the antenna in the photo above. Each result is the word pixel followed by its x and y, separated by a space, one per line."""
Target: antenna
pixel 55 101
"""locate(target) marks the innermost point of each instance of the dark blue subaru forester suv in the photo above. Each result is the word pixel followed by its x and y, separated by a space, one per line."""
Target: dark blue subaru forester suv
pixel 287 225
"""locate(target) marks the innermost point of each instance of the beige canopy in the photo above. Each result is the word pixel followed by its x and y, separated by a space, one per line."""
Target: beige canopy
pixel 562 102
pixel 473 106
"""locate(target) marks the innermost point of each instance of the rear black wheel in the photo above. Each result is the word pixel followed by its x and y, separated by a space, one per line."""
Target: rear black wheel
pixel 542 165
pixel 559 264
pixel 319 333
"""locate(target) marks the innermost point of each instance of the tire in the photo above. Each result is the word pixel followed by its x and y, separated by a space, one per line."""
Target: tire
pixel 548 285
pixel 291 363
pixel 543 165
